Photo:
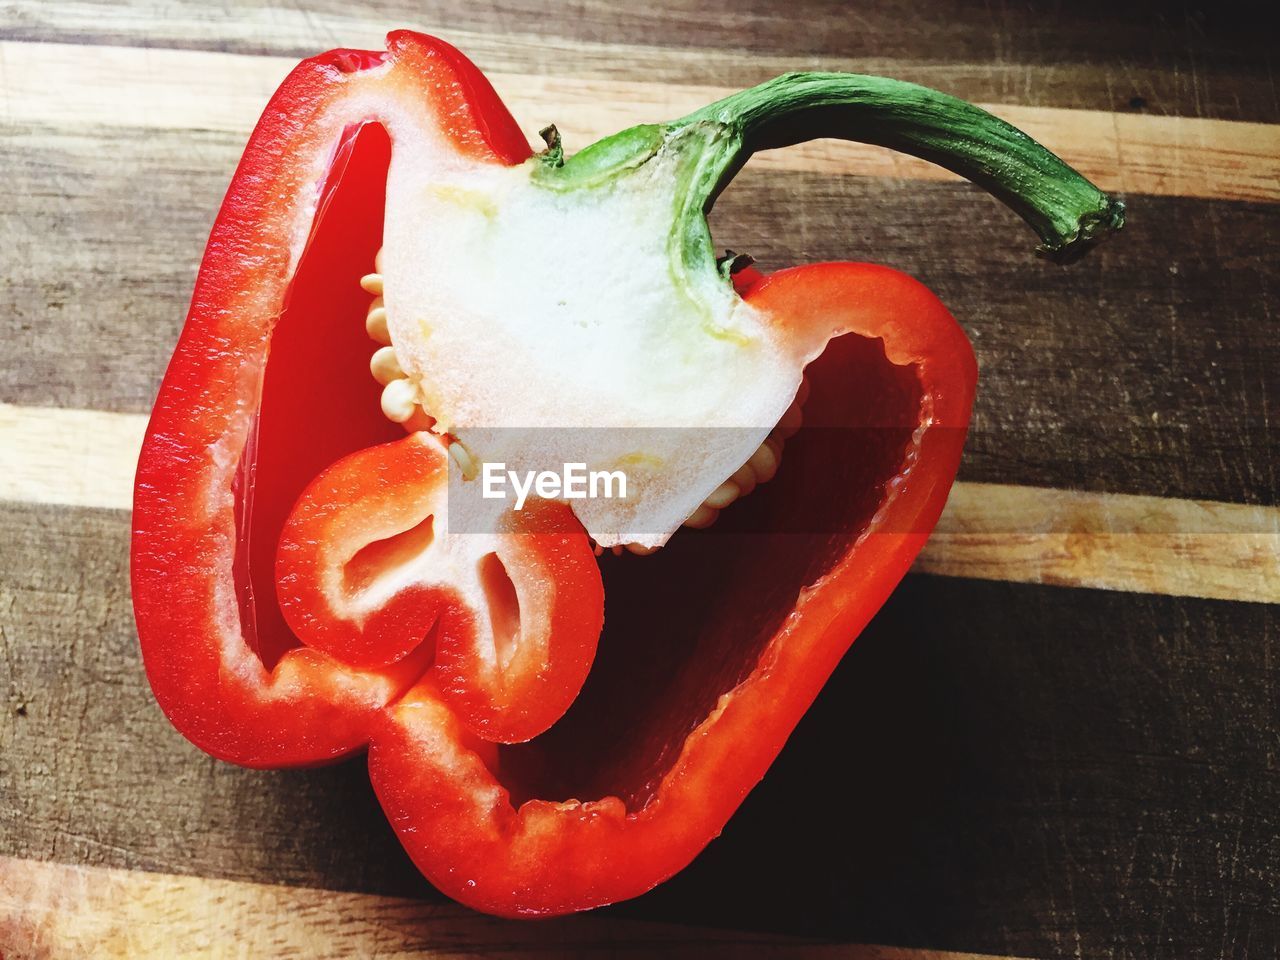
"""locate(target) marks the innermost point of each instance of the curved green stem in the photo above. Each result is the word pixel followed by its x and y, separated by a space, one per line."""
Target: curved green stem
pixel 708 147
pixel 1068 212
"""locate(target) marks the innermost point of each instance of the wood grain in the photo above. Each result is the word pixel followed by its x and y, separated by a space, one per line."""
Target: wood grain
pixel 1112 542
pixel 988 761
pixel 60 910
pixel 1149 57
pixel 1145 369
pixel 80 458
pixel 1008 767
pixel 990 531
pixel 148 89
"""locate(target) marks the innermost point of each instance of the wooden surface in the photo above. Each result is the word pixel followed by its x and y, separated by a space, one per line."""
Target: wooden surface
pixel 60 909
pixel 1059 738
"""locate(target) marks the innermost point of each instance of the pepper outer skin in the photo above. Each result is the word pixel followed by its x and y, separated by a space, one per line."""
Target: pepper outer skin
pixel 430 769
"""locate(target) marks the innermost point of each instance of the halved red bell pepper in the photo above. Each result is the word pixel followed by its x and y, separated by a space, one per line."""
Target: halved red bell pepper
pixel 298 592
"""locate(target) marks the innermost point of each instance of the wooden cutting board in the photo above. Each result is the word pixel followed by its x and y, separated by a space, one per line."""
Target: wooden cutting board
pixel 1059 738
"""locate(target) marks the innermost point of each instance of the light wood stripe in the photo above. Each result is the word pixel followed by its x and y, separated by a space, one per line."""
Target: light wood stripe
pixel 1020 534
pixel 167 89
pixel 1186 548
pixel 58 910
pixel 76 458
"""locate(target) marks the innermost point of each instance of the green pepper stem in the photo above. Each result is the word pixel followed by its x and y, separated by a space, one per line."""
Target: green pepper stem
pixel 1068 212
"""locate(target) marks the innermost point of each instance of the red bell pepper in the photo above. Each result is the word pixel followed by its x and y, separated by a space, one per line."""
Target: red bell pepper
pixel 298 592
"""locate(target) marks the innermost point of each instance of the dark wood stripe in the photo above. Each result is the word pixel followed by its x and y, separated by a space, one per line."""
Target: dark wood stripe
pixel 1104 781
pixel 108 229
pixel 1191 59
pixel 1113 374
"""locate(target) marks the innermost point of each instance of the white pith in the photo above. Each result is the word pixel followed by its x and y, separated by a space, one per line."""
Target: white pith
pixel 446 562
pixel 451 563
pixel 509 305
